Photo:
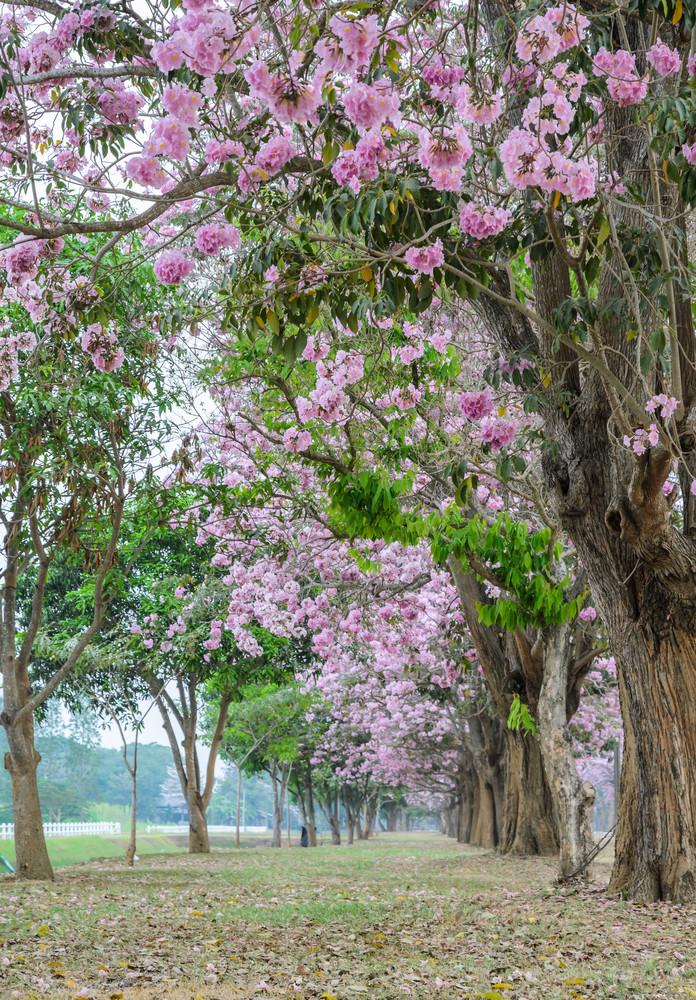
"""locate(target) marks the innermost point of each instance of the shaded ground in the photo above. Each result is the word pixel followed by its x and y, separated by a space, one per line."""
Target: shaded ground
pixel 395 917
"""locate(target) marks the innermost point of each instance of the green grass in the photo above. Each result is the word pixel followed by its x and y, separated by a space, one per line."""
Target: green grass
pixel 403 916
pixel 78 850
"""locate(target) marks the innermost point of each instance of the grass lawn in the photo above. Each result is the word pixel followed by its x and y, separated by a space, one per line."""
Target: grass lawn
pixel 402 916
pixel 75 850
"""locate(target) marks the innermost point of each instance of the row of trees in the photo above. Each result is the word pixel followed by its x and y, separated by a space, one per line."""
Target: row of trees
pixel 432 264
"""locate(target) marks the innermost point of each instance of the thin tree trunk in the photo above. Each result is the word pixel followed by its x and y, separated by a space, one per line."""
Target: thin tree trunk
pixel 130 850
pixel 311 817
pixel 277 807
pixel 237 843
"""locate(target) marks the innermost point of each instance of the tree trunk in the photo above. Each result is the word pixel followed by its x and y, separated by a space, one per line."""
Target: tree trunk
pixel 529 825
pixel 198 826
pixel 573 798
pixel 237 842
pixel 484 833
pixel 22 761
pixel 311 815
pixel 130 850
pixel 277 807
pixel 369 817
pixel 30 843
pixel 625 836
pixel 641 571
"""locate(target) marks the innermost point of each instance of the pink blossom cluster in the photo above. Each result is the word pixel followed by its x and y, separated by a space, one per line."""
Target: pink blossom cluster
pixel 527 163
pixel 665 61
pixel 352 166
pixel 641 440
pixel 215 635
pixel 170 138
pixel 146 171
pixel 182 103
pixel 667 405
pixel 349 47
pixel 476 405
pixel 119 105
pixel 21 261
pixel 546 35
pixel 274 154
pixel 223 152
pixel 296 441
pixel 9 362
pixel 172 266
pixel 478 108
pixel 288 98
pixel 482 221
pixel 623 84
pixel 498 431
pixel 440 77
pixel 368 105
pixel 102 345
pixel 425 259
pixel 208 42
pixel 216 236
pixel 444 154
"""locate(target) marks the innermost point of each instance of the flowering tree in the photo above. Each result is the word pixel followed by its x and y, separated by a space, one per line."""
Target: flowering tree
pixel 76 443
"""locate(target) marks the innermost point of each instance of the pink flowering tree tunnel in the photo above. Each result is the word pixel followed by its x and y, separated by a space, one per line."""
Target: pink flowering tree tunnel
pixel 539 165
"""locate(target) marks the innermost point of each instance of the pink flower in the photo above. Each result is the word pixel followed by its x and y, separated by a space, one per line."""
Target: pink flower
pixel 425 259
pixel 296 440
pixel 351 47
pixel 172 266
pixel 9 364
pixel 367 105
pixel 538 41
pixel 20 261
pixel 666 61
pixel 182 103
pixel 168 55
pixel 169 138
pixel 481 221
pixel 362 163
pixel 119 105
pixel 498 432
pixel 476 405
pixel 146 170
pixel 222 152
pixel 476 108
pixel 214 236
pixel 102 345
pixel 690 153
pixel 274 154
pixel 622 83
pixel 588 614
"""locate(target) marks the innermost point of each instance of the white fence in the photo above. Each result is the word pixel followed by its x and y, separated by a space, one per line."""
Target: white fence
pixel 67 830
pixel 211 829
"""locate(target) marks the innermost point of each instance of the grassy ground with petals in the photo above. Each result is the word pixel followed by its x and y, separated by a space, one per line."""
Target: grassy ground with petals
pixel 405 915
